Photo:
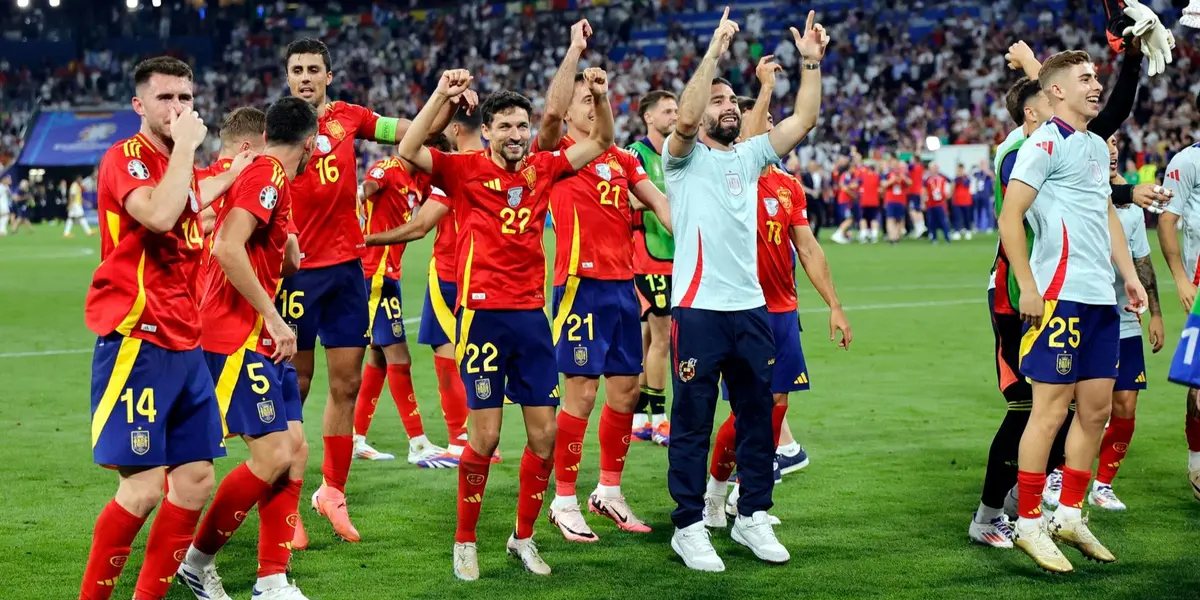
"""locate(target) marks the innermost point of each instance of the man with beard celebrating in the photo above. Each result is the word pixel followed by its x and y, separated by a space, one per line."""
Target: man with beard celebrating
pixel 721 327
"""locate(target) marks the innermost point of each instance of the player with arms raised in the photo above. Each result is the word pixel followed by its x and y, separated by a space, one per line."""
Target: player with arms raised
pixel 1071 345
pixel 503 341
pixel 155 417
pixel 247 346
pixel 597 330
pixel 326 298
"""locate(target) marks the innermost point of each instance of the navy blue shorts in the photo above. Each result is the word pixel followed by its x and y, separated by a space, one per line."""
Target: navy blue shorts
pixel 437 316
pixel 1131 371
pixel 327 302
pixel 896 212
pixel 870 214
pixel 914 202
pixel 152 407
pixel 597 327
pixel 255 394
pixel 791 371
pixel 1075 342
pixel 848 211
pixel 385 308
pixel 506 353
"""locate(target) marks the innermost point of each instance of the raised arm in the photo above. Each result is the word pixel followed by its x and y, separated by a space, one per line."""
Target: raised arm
pixel 425 220
pixel 1120 101
pixel 230 252
pixel 1020 58
pixel 755 121
pixel 699 90
pixel 601 138
pixel 412 146
pixel 812 259
pixel 562 87
pixel 158 208
pixel 789 132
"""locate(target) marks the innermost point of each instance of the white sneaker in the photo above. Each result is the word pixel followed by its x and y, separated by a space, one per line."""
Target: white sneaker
pixel 996 533
pixel 693 545
pixel 1010 505
pixel 466 561
pixel 203 581
pixel 287 592
pixel 424 452
pixel 714 511
pixel 1102 496
pixel 756 533
pixel 954 237
pixel 839 238
pixel 731 507
pixel 527 551
pixel 1053 489
pixel 919 232
pixel 364 451
pixel 967 235
pixel 1194 477
pixel 569 520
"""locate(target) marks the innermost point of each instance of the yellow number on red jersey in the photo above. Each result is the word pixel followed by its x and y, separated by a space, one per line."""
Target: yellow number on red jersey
pixel 510 216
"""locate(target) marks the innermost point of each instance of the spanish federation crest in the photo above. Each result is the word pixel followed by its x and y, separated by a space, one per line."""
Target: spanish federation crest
pixel 268 197
pixel 1063 363
pixel 266 411
pixel 483 388
pixel 687 369
pixel 785 198
pixel 530 175
pixel 581 355
pixel 398 328
pixel 323 145
pixel 733 181
pixel 772 206
pixel 139 441
pixel 335 129
pixel 514 197
pixel 604 171
pixel 1097 172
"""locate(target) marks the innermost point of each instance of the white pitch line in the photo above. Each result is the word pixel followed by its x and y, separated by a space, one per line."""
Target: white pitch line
pixel 415 320
pixel 66 253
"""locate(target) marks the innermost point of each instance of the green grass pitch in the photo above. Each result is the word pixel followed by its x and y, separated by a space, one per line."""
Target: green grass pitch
pixel 898 430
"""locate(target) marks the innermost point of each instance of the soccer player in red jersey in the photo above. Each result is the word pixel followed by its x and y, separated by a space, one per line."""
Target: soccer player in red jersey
pixel 849 191
pixel 247 346
pixel 934 192
pixel 895 198
pixel 960 205
pixel 241 132
pixel 596 329
pixel 326 297
pixel 154 411
pixel 916 177
pixel 868 227
pixel 503 341
pixel 392 194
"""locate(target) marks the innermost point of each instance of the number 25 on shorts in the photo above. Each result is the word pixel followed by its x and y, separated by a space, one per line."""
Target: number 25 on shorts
pixel 1058 326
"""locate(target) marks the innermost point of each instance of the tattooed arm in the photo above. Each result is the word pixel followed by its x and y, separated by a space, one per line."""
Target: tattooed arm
pixel 1145 272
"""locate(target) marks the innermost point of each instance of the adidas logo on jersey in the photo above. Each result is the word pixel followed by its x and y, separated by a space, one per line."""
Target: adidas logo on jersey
pixel 1047 146
pixel 493 185
pixel 1141 378
pixel 1173 175
pixel 803 378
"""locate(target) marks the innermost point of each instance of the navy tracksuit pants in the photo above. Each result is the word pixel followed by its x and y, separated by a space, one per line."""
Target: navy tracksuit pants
pixel 707 345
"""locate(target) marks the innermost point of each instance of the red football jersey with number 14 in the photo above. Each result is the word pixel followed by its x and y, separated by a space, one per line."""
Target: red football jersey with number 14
pixel 500 216
pixel 593 221
pixel 327 193
pixel 392 206
pixel 230 321
pixel 144 286
pixel 781 206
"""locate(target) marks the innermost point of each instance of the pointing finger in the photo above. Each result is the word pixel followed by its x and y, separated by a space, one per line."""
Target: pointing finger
pixel 812 16
pixel 725 15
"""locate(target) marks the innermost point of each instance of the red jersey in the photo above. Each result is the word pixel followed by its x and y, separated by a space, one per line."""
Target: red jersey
pixel 222 165
pixel 935 187
pixel 593 221
pixel 230 321
pixel 392 206
pixel 327 193
pixel 782 205
pixel 897 192
pixel 847 187
pixel 500 216
pixel 445 243
pixel 962 191
pixel 143 287
pixel 643 263
pixel 870 188
pixel 916 174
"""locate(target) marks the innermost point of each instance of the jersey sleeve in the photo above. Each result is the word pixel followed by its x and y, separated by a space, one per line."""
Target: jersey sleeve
pixel 553 165
pixel 124 174
pixel 447 170
pixel 634 171
pixel 256 195
pixel 1035 161
pixel 1179 179
pixel 760 153
pixel 370 126
pixel 674 167
pixel 378 174
pixel 799 212
pixel 1139 246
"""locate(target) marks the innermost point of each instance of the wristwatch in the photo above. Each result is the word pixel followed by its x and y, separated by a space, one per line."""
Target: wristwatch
pixel 813 66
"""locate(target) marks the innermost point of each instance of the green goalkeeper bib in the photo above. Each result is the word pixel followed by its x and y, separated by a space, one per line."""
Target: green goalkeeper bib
pixel 1002 153
pixel 659 243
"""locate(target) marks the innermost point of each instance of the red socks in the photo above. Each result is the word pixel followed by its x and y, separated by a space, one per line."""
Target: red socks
pixel 339 451
pixel 170 536
pixel 1029 494
pixel 111 541
pixel 778 413
pixel 1193 434
pixel 724 456
pixel 568 452
pixel 472 479
pixel 535 478
pixel 237 494
pixel 1075 485
pixel 454 397
pixel 278 513
pixel 399 379
pixel 614 444
pixel 368 398
pixel 1113 448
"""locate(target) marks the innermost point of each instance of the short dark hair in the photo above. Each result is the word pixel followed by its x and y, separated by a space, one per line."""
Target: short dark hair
pixel 290 121
pixel 501 102
pixel 745 103
pixel 160 65
pixel 722 81
pixel 579 77
pixel 439 141
pixel 1019 95
pixel 242 123
pixel 309 46
pixel 650 100
pixel 469 121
